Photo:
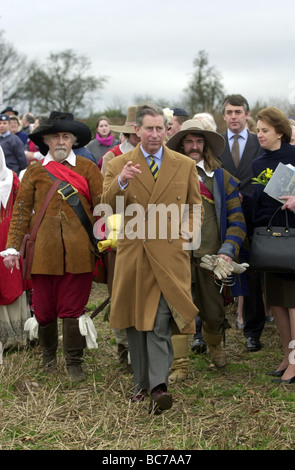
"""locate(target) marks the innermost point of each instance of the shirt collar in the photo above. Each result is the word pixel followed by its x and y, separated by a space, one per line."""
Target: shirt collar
pixel 71 159
pixel 158 155
pixel 5 134
pixel 200 164
pixel 243 134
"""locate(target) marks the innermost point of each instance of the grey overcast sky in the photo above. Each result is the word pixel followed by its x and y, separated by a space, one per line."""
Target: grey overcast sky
pixel 148 47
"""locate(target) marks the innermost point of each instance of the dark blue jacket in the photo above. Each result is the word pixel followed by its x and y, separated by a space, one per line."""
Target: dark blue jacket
pixel 15 156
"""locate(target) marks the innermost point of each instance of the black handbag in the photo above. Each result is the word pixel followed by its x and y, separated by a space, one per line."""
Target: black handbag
pixel 273 248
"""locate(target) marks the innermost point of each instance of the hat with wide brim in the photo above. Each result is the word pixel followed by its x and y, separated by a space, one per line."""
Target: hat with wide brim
pixel 192 126
pixel 128 127
pixel 9 108
pixel 60 122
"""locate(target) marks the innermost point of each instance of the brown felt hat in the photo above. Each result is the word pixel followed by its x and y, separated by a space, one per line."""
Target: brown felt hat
pixel 193 126
pixel 128 127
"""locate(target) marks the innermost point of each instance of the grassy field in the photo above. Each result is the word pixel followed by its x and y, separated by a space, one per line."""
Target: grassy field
pixel 238 408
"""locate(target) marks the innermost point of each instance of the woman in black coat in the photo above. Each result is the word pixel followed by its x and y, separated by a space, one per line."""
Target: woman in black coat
pixel 274 134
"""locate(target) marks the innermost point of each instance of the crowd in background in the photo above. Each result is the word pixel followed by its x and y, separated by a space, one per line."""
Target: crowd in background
pixel 226 165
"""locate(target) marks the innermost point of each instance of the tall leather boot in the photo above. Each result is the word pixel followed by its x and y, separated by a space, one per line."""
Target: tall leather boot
pixel 48 340
pixel 199 345
pixel 73 343
pixel 179 368
pixel 216 351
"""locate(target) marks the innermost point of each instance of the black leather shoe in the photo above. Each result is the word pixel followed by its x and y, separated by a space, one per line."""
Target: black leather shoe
pixel 276 373
pixel 199 346
pixel 253 344
pixel 161 400
pixel 284 381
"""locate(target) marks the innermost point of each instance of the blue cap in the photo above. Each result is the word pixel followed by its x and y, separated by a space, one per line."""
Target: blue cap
pixel 179 112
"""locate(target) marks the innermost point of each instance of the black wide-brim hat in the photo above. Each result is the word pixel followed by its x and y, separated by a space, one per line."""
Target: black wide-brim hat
pixel 60 122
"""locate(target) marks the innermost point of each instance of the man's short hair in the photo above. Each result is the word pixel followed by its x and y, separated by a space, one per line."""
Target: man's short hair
pixel 181 119
pixel 180 114
pixel 30 118
pixel 148 109
pixel 236 100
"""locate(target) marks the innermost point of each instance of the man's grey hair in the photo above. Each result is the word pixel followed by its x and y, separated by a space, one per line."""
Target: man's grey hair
pixel 30 118
pixel 151 110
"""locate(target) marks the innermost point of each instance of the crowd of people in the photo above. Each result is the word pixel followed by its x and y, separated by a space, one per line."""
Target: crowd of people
pixel 176 265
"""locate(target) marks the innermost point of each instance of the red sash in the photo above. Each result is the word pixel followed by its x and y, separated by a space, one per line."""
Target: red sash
pixel 116 150
pixel 206 193
pixel 66 174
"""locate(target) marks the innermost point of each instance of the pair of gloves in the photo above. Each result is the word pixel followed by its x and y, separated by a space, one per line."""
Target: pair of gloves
pixel 221 268
pixel 113 225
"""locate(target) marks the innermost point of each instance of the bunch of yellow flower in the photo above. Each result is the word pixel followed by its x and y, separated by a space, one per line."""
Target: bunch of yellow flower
pixel 264 177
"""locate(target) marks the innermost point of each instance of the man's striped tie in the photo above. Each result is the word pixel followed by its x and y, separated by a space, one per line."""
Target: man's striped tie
pixel 154 167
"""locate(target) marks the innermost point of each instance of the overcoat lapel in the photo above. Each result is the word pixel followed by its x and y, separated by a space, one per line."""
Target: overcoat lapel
pixel 145 178
pixel 168 169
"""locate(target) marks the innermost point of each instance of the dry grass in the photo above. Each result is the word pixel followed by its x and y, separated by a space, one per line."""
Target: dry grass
pixel 238 408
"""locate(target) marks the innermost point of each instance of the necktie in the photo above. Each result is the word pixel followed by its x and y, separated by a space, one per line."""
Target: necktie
pixel 154 167
pixel 236 150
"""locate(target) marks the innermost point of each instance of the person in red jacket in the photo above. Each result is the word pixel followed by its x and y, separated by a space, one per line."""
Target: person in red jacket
pixel 14 306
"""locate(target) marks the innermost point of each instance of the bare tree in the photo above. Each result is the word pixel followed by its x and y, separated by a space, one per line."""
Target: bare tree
pixel 12 70
pixel 205 91
pixel 62 83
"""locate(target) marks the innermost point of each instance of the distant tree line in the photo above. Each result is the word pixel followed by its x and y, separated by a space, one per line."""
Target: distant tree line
pixel 62 82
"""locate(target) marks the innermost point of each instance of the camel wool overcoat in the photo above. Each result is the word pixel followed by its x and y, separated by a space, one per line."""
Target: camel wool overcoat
pixel 147 266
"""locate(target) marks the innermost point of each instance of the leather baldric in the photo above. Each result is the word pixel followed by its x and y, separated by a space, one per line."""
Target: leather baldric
pixel 70 194
pixel 28 244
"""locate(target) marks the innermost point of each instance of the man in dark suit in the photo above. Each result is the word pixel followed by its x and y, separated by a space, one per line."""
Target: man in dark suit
pixel 237 159
pixel 236 111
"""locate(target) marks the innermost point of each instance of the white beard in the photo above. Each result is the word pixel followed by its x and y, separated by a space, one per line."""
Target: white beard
pixel 60 154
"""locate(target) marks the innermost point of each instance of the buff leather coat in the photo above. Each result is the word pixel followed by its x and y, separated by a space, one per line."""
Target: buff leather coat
pixel 62 243
pixel 147 267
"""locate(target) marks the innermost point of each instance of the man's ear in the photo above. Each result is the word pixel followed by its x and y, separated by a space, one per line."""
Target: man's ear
pixel 137 131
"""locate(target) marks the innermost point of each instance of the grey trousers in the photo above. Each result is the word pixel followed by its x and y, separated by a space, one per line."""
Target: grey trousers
pixel 151 352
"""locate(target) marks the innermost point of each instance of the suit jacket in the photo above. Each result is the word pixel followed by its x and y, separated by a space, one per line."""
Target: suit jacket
pixel 148 266
pixel 244 170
